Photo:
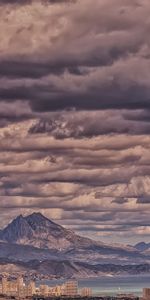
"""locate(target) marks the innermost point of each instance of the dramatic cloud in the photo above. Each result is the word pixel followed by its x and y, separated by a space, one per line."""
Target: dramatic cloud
pixel 75 114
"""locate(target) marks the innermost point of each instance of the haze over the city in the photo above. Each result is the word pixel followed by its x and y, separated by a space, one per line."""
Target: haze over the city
pixel 75 115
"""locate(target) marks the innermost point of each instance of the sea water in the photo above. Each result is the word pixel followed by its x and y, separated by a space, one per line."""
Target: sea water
pixel 111 285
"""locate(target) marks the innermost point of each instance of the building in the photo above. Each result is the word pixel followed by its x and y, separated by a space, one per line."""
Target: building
pixel 31 289
pixel 71 288
pixel 44 290
pixel 0 288
pixel 146 293
pixel 12 288
pixel 4 286
pixel 21 288
pixel 57 291
pixel 20 281
pixel 86 292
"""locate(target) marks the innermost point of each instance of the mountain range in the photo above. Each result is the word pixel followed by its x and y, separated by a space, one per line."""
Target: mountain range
pixel 37 245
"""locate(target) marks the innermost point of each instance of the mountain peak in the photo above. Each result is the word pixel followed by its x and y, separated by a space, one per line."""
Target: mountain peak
pixel 36 216
pixel 38 231
pixel 38 219
pixel 34 229
pixel 20 217
pixel 16 230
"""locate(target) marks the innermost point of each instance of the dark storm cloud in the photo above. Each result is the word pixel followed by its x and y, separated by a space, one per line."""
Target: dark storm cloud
pixel 34 68
pixel 143 200
pixel 143 116
pixel 84 124
pixel 100 217
pixel 14 112
pixel 107 66
pixel 22 2
pixel 20 69
pixel 74 114
pixel 120 200
pixel 44 98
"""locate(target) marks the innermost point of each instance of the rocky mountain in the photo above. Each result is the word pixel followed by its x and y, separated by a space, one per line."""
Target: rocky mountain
pixel 33 242
pixel 38 231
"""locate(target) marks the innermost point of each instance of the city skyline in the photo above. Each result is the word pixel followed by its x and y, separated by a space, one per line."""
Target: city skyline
pixel 19 288
pixel 75 115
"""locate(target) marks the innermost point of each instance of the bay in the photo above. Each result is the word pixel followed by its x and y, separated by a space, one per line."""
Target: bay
pixel 111 285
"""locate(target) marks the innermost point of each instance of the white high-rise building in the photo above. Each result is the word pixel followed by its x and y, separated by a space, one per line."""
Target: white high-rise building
pixel 31 289
pixel 86 292
pixel 146 293
pixel 4 286
pixel 20 287
pixel 44 290
pixel 71 288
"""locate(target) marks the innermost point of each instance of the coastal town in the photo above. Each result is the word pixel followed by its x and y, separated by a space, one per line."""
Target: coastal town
pixel 19 288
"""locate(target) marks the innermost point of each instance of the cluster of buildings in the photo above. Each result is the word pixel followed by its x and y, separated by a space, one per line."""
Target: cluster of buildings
pixel 19 289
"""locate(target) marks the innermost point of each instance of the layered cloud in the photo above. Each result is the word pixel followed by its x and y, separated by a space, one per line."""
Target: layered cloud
pixel 75 114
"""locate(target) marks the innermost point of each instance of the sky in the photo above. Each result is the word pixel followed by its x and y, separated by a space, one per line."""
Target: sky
pixel 75 115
